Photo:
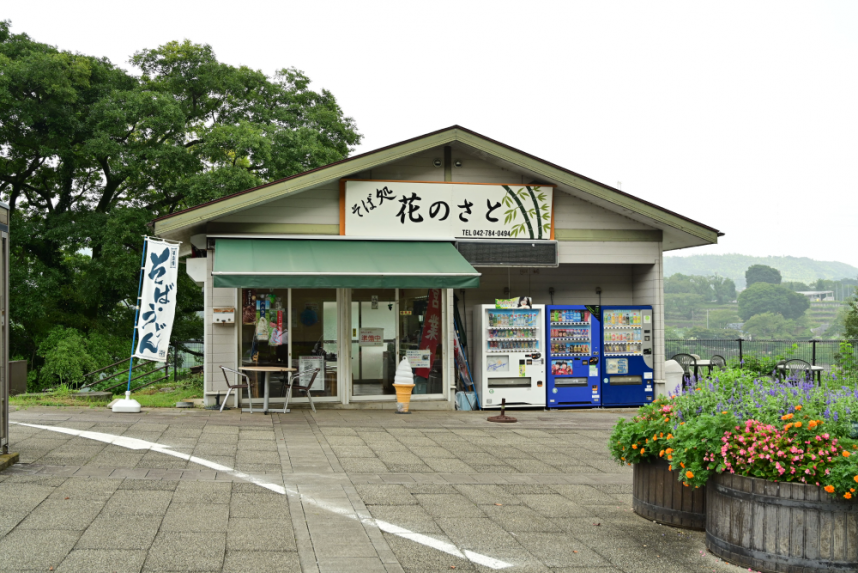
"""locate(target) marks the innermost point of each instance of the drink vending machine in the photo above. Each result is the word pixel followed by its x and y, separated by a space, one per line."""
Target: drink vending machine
pixel 511 361
pixel 573 352
pixel 627 359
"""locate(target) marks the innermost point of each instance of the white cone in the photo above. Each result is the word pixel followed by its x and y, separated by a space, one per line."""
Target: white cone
pixel 127 405
pixel 404 374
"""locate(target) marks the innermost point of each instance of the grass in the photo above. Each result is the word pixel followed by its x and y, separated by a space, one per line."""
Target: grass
pixel 150 397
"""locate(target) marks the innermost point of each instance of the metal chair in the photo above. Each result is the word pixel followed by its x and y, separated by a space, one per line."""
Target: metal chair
pixel 795 366
pixel 717 362
pixel 294 383
pixel 689 366
pixel 236 387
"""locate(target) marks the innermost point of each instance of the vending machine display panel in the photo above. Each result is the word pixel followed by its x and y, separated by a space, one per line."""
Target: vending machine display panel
pixel 574 341
pixel 512 360
pixel 627 377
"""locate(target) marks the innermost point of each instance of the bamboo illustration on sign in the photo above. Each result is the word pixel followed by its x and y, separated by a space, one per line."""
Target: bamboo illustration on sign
pixel 539 213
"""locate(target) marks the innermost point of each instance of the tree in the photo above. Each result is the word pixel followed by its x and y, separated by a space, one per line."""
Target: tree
pixel 721 318
pixel 850 321
pixel 700 333
pixel 683 304
pixel 796 286
pixel 724 289
pixel 774 325
pixel 89 154
pixel 761 297
pixel 762 274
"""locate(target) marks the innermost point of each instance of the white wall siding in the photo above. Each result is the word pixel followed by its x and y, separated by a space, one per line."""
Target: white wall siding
pixel 417 167
pixel 604 252
pixel 319 206
pixel 220 342
pixel 573 213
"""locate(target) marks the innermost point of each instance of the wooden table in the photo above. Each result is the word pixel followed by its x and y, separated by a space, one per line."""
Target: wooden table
pixel 267 370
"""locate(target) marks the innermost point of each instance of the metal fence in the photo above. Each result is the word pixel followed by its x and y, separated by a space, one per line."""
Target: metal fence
pixel 187 356
pixel 823 353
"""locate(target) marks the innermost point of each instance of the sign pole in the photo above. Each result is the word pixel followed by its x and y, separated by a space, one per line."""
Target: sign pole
pixel 127 404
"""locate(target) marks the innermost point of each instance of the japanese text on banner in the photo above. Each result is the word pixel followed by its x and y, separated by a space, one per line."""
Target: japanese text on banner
pixel 431 330
pixel 157 300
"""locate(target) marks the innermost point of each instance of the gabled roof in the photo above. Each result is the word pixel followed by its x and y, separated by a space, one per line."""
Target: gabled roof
pixel 605 194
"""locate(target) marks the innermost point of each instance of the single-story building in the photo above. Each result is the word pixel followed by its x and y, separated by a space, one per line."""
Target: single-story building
pixel 353 264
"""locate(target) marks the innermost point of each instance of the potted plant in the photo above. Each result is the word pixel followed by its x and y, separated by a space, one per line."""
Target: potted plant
pixel 776 459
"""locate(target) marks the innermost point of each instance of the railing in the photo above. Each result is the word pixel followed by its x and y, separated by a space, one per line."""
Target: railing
pixel 823 353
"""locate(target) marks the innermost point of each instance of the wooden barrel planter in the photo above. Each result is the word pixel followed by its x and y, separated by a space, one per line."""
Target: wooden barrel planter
pixel 780 527
pixel 658 495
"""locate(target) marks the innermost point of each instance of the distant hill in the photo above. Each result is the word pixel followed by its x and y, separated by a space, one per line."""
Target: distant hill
pixel 800 269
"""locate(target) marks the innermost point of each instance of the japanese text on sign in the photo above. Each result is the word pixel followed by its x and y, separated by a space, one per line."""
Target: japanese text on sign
pixel 371 337
pixel 447 210
pixel 157 300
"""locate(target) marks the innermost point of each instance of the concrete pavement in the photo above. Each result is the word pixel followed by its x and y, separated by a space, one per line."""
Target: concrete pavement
pixel 335 491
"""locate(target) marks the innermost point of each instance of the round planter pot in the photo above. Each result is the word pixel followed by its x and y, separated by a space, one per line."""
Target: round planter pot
pixel 658 496
pixel 780 527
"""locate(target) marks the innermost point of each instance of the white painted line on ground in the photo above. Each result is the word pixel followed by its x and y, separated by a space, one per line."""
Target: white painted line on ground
pixel 137 444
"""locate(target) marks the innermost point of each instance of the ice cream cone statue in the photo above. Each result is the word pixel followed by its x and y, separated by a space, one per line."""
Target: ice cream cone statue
pixel 403 381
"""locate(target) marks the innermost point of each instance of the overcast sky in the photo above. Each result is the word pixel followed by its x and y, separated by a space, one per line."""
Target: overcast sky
pixel 740 115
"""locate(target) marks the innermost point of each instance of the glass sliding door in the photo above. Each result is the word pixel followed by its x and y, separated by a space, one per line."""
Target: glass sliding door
pixel 421 331
pixel 314 339
pixel 374 341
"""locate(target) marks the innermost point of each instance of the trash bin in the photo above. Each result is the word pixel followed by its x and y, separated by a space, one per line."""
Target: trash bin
pixel 673 373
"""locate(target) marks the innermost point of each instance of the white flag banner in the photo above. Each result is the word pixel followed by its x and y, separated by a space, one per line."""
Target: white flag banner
pixel 157 300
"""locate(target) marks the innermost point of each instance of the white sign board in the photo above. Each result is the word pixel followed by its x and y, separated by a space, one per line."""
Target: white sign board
pixel 447 210
pixel 306 365
pixel 157 300
pixel 371 336
pixel 419 358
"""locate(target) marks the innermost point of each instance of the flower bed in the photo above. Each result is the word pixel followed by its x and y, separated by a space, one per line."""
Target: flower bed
pixel 778 432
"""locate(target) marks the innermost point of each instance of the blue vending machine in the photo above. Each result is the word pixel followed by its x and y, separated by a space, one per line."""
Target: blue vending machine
pixel 627 359
pixel 572 352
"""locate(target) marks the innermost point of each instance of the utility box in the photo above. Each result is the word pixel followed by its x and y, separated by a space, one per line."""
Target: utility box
pixel 17 377
pixel 673 373
pixel 223 315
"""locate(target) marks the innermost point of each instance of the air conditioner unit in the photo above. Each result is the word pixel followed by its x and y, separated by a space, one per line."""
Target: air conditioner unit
pixel 509 253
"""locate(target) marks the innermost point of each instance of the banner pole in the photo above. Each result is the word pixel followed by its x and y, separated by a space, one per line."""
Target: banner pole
pixel 129 405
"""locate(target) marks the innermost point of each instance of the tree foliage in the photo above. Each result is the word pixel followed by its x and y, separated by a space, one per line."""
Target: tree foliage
pixel 775 326
pixel 762 274
pixel 850 321
pixel 763 297
pixel 90 153
pixel 715 289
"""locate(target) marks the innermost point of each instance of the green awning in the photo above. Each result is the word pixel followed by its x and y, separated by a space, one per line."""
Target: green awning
pixel 286 263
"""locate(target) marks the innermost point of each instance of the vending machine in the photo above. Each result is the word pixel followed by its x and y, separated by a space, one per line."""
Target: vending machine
pixel 511 364
pixel 627 359
pixel 573 353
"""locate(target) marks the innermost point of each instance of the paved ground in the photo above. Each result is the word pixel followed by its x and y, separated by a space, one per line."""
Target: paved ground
pixel 338 491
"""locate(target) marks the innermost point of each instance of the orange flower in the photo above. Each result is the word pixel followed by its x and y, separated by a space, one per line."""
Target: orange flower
pixel 847 495
pixel 685 484
pixel 667 419
pixel 682 464
pixel 624 459
pixel 811 425
pixel 670 451
pixel 670 436
pixel 798 424
pixel 661 435
pixel 829 488
pixel 798 407
pixel 855 478
pixel 643 451
pixel 689 475
pixel 670 457
pixel 788 426
pixel 846 454
pixel 724 412
pixel 634 446
pixel 786 417
pixel 661 454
